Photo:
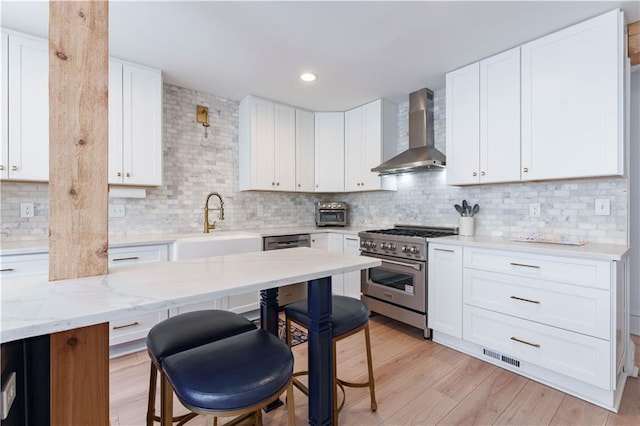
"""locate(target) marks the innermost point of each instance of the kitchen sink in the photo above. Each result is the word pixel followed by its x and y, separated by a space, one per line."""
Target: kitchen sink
pixel 217 243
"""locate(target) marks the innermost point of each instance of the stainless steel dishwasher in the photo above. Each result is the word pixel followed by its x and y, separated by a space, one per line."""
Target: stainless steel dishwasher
pixel 293 292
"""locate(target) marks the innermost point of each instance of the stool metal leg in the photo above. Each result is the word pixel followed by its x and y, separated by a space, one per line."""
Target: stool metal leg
pixel 151 405
pixel 372 390
pixel 166 404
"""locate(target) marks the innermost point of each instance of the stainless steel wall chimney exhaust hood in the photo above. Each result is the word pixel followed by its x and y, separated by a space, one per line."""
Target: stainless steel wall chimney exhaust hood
pixel 422 154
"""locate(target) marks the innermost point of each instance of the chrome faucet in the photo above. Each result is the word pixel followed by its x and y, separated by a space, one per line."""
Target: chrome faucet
pixel 207 225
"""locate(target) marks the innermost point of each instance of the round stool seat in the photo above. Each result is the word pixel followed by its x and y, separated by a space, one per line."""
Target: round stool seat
pixel 230 374
pixel 193 329
pixel 347 314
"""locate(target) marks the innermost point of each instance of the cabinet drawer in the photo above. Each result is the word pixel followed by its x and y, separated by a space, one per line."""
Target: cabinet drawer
pixel 122 256
pixel 292 293
pixel 134 328
pixel 582 272
pixel 581 357
pixel 23 264
pixel 579 309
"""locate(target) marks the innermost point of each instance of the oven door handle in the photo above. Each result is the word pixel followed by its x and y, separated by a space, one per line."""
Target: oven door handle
pixel 415 266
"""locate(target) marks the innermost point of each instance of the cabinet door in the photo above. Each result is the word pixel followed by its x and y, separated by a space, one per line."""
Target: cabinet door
pixel 305 170
pixel 28 108
pixel 262 144
pixel 4 105
pixel 116 161
pixel 445 289
pixel 142 123
pixel 353 149
pixel 372 129
pixel 284 155
pixel 500 117
pixel 570 102
pixel 351 279
pixel 330 242
pixel 463 125
pixel 329 151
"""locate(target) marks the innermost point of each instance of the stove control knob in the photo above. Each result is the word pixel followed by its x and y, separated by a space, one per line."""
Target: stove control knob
pixel 404 249
pixel 392 247
pixel 373 244
pixel 367 244
pixel 414 250
pixel 385 246
pixel 362 243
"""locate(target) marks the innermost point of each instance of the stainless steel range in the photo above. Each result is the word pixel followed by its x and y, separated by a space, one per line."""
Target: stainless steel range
pixel 398 288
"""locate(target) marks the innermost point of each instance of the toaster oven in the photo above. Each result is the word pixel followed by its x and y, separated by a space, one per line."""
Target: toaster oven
pixel 331 213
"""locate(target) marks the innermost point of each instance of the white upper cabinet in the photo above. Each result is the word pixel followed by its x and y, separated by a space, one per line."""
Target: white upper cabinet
pixel 285 147
pixel 26 146
pixel 572 101
pixel 267 137
pixel 135 124
pixel 329 151
pixel 370 138
pixel 483 121
pixel 463 125
pixel 4 106
pixel 305 147
pixel 500 118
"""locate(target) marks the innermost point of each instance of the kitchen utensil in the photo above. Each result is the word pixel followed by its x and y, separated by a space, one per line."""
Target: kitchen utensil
pixel 465 205
pixel 459 209
pixel 476 209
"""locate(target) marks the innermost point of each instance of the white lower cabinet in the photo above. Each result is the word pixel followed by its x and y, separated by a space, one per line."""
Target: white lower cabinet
pixel 127 335
pixel 17 265
pixel 332 242
pixel 444 301
pixel 558 319
pixel 351 280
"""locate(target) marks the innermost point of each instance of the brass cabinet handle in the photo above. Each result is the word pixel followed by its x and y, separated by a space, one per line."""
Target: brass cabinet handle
pixel 526 169
pixel 524 265
pixel 126 258
pixel 475 174
pixel 1 166
pixel 14 168
pixel 118 327
pixel 278 184
pixel 515 339
pixel 299 185
pixel 482 173
pixel 362 183
pixel 358 184
pixel 447 250
pixel 537 302
pixel 7 270
pixel 119 174
pixel 273 184
pixel 316 185
pixel 128 174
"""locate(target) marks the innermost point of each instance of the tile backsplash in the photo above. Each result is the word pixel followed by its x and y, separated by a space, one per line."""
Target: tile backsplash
pixel 194 166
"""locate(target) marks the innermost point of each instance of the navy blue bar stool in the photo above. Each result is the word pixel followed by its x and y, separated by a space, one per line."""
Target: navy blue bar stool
pixel 349 316
pixel 180 333
pixel 233 376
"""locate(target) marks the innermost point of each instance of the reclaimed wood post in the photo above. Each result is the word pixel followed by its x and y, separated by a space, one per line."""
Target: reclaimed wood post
pixel 78 199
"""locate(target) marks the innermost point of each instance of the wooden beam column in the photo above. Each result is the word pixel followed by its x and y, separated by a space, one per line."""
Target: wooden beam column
pixel 633 31
pixel 78 138
pixel 78 199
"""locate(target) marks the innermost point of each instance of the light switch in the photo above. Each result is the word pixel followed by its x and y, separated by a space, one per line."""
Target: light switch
pixel 603 207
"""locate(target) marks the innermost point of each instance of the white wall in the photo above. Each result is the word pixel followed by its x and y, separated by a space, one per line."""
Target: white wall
pixel 634 184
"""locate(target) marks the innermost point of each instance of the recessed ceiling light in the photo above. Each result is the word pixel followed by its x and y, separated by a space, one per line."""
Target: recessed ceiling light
pixel 308 77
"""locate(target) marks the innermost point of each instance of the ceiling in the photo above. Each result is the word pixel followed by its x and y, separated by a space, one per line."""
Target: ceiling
pixel 360 50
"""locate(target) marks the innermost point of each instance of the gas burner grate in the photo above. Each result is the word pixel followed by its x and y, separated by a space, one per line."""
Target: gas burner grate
pixel 410 232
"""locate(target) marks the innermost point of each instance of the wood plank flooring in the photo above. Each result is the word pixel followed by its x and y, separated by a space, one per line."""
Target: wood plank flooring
pixel 418 382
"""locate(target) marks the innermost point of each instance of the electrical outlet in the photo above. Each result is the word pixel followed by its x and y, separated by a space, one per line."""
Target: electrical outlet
pixel 8 395
pixel 116 210
pixel 534 210
pixel 603 207
pixel 26 210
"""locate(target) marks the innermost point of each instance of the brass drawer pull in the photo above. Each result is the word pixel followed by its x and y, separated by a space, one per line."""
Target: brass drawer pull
pixel 447 250
pixel 524 265
pixel 126 258
pixel 7 270
pixel 526 300
pixel 515 339
pixel 118 327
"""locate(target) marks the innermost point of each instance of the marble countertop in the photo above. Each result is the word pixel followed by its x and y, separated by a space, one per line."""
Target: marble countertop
pixel 42 246
pixel 33 306
pixel 588 250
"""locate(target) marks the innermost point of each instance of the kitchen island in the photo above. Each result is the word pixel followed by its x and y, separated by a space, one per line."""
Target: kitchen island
pixel 33 306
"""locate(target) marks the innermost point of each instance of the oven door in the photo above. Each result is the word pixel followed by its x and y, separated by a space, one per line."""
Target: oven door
pixel 398 281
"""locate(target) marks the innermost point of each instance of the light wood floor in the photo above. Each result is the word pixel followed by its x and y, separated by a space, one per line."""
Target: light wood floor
pixel 418 382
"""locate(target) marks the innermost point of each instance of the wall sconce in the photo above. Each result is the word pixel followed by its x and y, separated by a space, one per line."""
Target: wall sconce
pixel 202 116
